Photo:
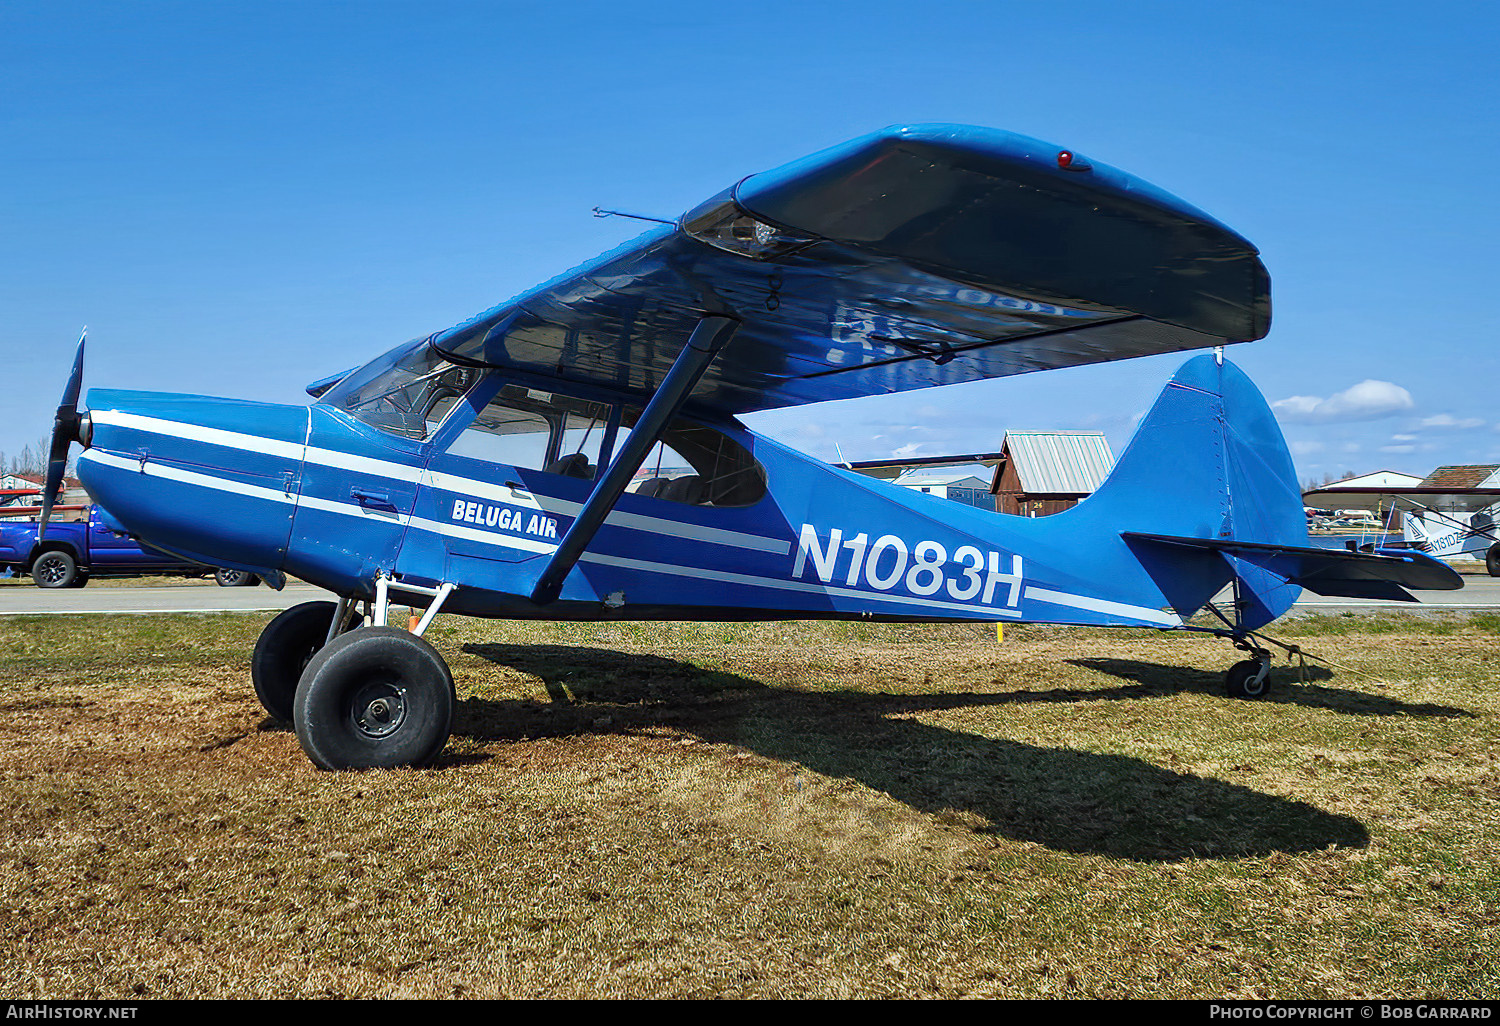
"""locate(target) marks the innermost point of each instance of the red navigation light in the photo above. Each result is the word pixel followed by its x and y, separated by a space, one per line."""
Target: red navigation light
pixel 1067 160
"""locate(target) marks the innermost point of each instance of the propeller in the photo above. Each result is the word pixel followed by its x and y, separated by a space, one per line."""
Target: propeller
pixel 64 432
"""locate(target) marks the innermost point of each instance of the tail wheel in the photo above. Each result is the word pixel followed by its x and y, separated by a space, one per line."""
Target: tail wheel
pixel 1249 678
pixel 283 651
pixel 55 569
pixel 374 698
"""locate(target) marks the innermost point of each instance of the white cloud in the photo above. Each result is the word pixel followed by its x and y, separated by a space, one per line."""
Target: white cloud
pixel 1368 400
pixel 1307 448
pixel 1444 420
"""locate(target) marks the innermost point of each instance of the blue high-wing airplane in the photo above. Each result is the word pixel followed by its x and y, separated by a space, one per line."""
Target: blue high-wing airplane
pixel 574 453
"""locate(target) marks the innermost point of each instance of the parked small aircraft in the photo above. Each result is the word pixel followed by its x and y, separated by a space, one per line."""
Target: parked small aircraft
pixel 1445 522
pixel 574 453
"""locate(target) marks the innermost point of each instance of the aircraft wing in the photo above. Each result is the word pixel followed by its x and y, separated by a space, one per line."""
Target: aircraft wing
pixel 891 469
pixel 915 256
pixel 1450 499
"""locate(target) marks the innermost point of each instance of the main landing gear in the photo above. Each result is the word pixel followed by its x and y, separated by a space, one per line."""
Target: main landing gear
pixel 358 697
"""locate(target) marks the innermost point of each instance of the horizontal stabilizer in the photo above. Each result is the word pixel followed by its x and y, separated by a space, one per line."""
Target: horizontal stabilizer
pixel 1383 574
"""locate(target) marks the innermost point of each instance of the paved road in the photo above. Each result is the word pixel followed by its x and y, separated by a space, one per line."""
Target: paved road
pixel 1478 593
pixel 146 598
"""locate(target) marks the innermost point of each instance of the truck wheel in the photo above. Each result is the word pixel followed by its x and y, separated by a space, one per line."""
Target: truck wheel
pixel 375 698
pixel 285 648
pixel 1492 561
pixel 55 569
pixel 235 578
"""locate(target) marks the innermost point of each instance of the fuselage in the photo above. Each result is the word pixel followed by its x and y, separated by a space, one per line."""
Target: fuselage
pixel 430 473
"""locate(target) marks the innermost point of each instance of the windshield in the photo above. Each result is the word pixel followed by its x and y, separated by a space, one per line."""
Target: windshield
pixel 407 391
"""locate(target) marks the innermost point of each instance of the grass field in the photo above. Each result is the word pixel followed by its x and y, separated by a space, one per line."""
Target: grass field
pixel 783 810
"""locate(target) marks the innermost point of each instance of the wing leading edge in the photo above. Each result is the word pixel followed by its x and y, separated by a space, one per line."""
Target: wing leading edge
pixel 911 257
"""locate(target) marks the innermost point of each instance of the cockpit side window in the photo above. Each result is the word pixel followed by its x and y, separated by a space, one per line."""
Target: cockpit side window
pixel 408 396
pixel 538 430
pixel 697 465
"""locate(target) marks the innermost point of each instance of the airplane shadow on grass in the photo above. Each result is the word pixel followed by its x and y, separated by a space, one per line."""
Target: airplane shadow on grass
pixel 1152 679
pixel 1063 798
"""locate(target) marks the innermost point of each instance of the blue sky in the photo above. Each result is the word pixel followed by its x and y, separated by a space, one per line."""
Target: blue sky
pixel 239 198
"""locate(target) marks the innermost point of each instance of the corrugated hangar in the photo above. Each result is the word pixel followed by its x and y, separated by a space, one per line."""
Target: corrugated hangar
pixel 1034 474
pixel 1044 472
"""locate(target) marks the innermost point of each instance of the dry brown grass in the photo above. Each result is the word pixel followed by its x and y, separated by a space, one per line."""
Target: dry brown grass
pixel 782 810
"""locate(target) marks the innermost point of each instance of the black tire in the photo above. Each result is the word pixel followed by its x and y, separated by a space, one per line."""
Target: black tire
pixel 376 698
pixel 1238 681
pixel 1492 560
pixel 235 578
pixel 283 651
pixel 54 569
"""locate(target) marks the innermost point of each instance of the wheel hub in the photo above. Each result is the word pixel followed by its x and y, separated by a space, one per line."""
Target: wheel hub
pixel 378 709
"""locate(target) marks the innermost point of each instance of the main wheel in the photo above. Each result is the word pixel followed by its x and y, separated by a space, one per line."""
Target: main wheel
pixel 374 698
pixel 1241 683
pixel 55 569
pixel 235 578
pixel 1492 560
pixel 283 651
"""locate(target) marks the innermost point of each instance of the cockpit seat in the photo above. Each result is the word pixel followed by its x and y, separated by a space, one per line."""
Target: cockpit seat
pixel 683 489
pixel 572 465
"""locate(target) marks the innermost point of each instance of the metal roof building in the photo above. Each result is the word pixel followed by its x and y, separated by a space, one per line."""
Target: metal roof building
pixel 1042 472
pixel 1470 476
pixel 959 484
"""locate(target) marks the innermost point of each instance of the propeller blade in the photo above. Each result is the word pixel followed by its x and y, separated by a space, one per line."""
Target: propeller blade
pixel 64 431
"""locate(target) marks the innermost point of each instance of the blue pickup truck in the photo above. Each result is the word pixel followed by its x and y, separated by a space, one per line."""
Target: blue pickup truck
pixel 74 552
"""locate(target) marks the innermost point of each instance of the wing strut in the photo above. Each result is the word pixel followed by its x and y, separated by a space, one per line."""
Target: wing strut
pixel 708 337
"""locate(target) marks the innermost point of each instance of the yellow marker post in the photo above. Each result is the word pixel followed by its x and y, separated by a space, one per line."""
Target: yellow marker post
pixel 999 631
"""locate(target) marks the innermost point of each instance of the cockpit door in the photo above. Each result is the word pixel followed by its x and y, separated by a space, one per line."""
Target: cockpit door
pixel 506 471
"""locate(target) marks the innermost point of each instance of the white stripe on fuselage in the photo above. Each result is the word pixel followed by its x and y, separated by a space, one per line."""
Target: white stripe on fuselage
pixel 727 577
pixel 149 468
pixel 404 472
pixel 1062 598
pixel 338 460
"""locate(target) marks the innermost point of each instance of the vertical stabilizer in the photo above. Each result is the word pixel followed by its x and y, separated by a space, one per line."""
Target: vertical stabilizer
pixel 1208 461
